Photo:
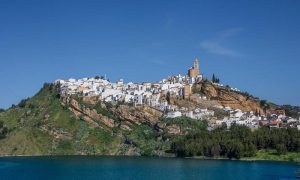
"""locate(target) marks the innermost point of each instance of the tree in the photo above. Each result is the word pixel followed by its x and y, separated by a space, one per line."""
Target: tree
pixel 179 149
pixel 236 142
pixel 234 149
pixel 1 110
pixel 224 126
pixel 265 105
pixel 213 78
pixel 298 145
pixel 3 130
pixel 97 77
pixel 281 149
pixel 250 150
pixel 32 106
pixel 215 150
pixel 23 103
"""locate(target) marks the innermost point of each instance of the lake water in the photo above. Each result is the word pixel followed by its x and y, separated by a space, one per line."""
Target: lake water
pixel 140 168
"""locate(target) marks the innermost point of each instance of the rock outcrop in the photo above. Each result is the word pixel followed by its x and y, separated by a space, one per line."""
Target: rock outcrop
pixel 228 98
pixel 127 115
pixel 139 114
pixel 91 116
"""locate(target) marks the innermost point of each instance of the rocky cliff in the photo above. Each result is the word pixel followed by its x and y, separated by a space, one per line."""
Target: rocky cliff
pixel 123 116
pixel 229 98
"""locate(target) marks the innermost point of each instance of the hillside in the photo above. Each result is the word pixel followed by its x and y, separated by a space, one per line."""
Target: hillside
pixel 48 124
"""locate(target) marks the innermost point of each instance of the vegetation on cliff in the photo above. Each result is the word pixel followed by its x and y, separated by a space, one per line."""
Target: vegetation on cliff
pixel 292 111
pixel 3 130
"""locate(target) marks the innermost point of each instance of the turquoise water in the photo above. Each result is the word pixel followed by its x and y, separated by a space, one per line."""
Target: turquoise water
pixel 140 168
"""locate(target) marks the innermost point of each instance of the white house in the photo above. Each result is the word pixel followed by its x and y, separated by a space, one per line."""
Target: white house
pixel 190 114
pixel 291 120
pixel 174 114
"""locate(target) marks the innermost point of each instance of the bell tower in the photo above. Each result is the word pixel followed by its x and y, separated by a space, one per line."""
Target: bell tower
pixel 196 66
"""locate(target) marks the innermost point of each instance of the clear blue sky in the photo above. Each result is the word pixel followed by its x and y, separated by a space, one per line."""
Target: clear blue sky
pixel 252 45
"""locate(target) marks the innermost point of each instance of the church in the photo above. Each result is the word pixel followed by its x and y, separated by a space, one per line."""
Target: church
pixel 194 76
pixel 194 72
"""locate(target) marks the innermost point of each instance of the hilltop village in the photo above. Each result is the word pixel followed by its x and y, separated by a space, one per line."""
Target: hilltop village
pixel 156 96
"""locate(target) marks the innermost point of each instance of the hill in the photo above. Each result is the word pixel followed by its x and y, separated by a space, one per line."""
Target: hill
pixel 48 124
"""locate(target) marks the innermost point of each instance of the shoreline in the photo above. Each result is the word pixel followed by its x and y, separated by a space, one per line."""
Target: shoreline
pixel 243 159
pixel 169 157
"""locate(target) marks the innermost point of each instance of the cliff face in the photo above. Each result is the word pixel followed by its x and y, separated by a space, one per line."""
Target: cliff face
pixel 138 115
pixel 123 116
pixel 229 98
pixel 91 116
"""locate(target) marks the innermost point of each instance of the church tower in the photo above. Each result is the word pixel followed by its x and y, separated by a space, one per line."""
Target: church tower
pixel 196 66
pixel 194 71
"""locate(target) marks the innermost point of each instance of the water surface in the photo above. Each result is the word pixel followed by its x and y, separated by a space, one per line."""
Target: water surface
pixel 140 168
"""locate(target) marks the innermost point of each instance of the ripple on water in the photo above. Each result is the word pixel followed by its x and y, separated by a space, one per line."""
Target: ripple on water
pixel 4 165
